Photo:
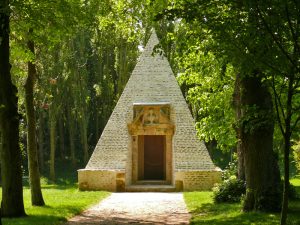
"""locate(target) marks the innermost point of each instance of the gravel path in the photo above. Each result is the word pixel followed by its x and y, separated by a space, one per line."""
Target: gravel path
pixel 136 208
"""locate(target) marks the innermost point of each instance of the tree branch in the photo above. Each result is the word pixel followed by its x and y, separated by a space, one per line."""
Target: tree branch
pixel 275 39
pixel 294 34
pixel 297 109
pixel 277 107
pixel 273 67
pixel 281 90
pixel 295 124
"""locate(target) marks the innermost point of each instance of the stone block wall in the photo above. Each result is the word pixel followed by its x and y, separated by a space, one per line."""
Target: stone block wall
pixel 115 180
pixel 93 180
pixel 196 180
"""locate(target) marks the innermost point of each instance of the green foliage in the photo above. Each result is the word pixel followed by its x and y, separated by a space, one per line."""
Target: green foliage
pixel 85 52
pixel 207 82
pixel 206 79
pixel 249 36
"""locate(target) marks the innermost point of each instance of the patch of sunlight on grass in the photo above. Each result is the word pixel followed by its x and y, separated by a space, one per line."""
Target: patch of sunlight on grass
pixel 295 181
pixel 197 199
pixel 205 211
pixel 294 205
pixel 62 202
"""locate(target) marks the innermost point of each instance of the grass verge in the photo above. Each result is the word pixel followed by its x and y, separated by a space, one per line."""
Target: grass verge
pixel 62 202
pixel 205 211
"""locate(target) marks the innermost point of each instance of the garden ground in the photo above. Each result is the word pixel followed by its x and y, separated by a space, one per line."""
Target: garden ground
pixel 204 211
pixel 64 200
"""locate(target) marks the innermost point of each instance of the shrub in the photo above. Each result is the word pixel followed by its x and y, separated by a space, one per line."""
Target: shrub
pixel 230 190
pixel 231 169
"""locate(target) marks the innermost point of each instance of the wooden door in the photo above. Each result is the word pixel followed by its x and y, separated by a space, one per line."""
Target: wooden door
pixel 154 157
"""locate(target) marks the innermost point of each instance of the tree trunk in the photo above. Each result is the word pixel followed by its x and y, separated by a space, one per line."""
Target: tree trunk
pixel 11 172
pixel 84 139
pixel 71 138
pixel 287 147
pixel 33 166
pixel 52 144
pixel 238 128
pixel 285 199
pixel 61 138
pixel 97 125
pixel 261 169
pixel 41 140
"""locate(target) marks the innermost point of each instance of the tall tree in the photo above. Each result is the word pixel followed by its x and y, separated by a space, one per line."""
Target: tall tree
pixel 238 116
pixel 35 14
pixel 11 172
pixel 32 153
pixel 232 26
pixel 279 23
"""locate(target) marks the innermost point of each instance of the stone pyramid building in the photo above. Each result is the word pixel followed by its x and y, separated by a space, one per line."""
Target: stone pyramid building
pixel 149 142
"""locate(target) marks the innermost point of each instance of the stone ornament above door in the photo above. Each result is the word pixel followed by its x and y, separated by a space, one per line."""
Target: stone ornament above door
pixel 151 119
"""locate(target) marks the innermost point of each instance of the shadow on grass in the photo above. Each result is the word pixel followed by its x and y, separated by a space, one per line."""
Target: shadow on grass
pixel 294 211
pixel 34 219
pixel 210 208
pixel 59 186
pixel 51 185
pixel 231 214
pixel 45 219
pixel 297 189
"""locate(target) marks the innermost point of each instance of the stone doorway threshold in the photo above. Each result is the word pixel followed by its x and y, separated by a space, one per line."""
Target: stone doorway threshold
pixel 152 182
pixel 150 188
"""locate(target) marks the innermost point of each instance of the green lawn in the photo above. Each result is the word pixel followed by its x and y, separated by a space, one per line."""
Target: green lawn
pixel 62 202
pixel 296 183
pixel 204 211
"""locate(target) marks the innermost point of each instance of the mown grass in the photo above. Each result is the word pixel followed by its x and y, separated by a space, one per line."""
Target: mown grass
pixel 62 202
pixel 205 211
pixel 296 183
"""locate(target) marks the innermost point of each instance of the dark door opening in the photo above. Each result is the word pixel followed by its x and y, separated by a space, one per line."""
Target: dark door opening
pixel 154 159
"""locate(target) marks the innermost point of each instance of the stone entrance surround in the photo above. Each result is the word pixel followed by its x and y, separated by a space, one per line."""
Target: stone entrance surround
pixel 150 119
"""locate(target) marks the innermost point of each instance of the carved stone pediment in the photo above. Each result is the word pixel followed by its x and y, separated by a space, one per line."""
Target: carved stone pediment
pixel 151 119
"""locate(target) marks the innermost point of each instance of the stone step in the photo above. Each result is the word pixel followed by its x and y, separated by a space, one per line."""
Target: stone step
pixel 150 188
pixel 152 182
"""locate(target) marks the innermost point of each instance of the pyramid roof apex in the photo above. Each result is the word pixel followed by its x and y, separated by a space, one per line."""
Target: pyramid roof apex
pixel 152 42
